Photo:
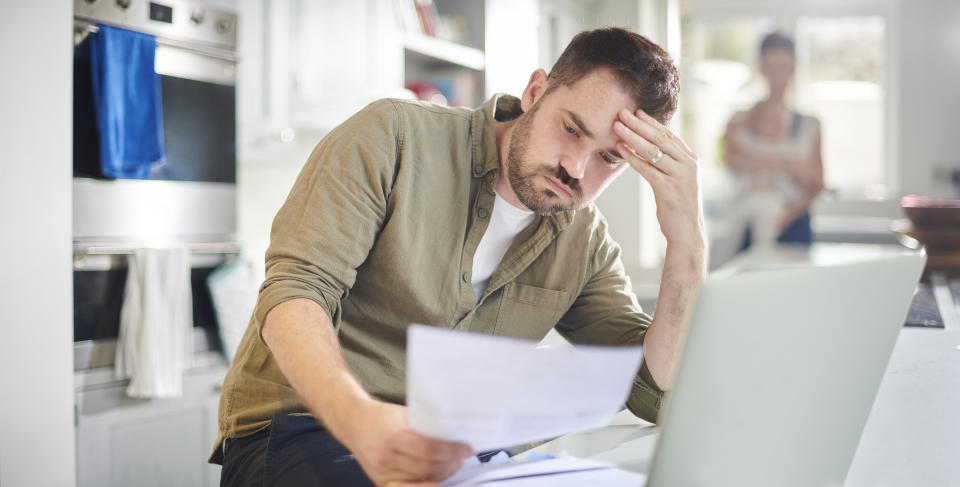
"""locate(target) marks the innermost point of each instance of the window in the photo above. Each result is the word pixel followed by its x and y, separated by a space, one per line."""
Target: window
pixel 840 80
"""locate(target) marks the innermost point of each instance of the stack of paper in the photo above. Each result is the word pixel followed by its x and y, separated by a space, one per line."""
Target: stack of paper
pixel 558 472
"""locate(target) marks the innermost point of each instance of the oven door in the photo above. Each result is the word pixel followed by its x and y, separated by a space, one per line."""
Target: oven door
pixel 198 93
pixel 192 196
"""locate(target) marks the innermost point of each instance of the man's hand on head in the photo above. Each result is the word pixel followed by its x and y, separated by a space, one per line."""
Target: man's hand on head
pixel 673 171
pixel 393 455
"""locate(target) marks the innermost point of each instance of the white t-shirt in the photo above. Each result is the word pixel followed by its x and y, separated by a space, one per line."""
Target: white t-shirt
pixel 506 221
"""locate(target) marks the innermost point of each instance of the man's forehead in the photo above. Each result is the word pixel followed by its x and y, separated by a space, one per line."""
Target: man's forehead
pixel 599 88
pixel 594 103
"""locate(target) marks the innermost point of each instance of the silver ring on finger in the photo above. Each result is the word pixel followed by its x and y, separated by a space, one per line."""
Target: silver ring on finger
pixel 657 157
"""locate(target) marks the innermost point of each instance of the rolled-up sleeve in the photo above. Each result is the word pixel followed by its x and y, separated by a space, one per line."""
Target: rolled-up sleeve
pixel 331 218
pixel 607 312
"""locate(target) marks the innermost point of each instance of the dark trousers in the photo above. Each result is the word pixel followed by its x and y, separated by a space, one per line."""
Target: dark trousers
pixel 293 451
pixel 798 231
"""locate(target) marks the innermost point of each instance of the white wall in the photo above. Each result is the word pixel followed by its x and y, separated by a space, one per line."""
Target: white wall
pixel 929 98
pixel 511 59
pixel 36 353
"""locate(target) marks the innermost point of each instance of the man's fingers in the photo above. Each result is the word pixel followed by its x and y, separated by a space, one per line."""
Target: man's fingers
pixel 421 457
pixel 636 144
pixel 404 483
pixel 672 138
pixel 651 173
pixel 643 151
pixel 655 134
pixel 643 148
pixel 430 449
pixel 650 132
pixel 667 137
pixel 418 468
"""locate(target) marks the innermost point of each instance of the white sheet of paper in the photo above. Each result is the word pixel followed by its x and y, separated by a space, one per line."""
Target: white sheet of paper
pixel 607 477
pixel 493 392
pixel 552 473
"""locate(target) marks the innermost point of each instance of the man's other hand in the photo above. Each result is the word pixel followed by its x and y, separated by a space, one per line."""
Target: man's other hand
pixel 393 455
pixel 672 170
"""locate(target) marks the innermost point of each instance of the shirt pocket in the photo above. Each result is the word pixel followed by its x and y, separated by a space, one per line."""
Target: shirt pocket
pixel 529 311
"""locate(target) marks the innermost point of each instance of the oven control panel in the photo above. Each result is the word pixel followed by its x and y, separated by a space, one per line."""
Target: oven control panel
pixel 175 20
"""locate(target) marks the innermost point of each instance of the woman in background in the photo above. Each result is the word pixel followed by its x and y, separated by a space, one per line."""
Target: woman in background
pixel 775 154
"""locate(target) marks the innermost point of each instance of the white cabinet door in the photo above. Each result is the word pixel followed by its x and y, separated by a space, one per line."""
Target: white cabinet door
pixel 308 65
pixel 346 48
pixel 123 441
pixel 347 54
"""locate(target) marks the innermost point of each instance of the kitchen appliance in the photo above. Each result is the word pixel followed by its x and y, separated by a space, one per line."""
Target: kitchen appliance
pixel 189 200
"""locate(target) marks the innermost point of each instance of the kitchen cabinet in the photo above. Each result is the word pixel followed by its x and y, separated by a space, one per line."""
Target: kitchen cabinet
pixel 452 61
pixel 343 56
pixel 306 66
pixel 124 441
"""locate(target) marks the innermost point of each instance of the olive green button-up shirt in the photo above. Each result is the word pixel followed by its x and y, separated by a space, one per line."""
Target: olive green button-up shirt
pixel 380 229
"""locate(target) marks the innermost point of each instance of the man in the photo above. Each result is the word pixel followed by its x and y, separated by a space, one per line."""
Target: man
pixel 475 220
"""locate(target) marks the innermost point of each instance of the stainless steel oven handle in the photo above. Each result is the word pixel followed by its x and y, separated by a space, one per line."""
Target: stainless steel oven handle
pixel 104 256
pixel 221 54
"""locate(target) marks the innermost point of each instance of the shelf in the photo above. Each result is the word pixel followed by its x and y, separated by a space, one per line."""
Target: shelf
pixel 447 51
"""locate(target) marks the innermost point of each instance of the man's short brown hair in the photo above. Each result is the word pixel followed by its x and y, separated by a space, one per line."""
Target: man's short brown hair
pixel 642 67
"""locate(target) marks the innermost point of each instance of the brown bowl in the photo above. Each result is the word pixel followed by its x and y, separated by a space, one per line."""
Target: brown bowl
pixel 935 239
pixel 931 213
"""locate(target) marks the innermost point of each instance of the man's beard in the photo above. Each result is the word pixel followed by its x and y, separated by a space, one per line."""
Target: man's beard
pixel 543 202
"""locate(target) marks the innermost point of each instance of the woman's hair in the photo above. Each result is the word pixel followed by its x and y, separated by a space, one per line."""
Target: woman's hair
pixel 642 67
pixel 776 40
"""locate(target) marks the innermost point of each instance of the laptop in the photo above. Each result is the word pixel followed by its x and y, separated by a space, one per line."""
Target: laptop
pixel 779 372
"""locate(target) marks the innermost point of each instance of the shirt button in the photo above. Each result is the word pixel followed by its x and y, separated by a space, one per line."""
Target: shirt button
pixel 482 212
pixel 477 169
pixel 466 277
pixel 488 178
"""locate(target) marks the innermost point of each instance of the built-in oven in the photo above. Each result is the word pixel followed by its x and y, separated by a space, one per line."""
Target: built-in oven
pixel 189 200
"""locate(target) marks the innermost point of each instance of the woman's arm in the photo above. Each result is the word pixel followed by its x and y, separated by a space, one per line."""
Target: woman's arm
pixel 809 175
pixel 740 158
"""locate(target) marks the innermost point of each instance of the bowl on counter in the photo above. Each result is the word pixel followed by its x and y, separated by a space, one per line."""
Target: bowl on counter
pixel 944 238
pixel 935 224
pixel 928 213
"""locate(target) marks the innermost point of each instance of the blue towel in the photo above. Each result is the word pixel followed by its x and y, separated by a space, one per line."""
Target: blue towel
pixel 126 96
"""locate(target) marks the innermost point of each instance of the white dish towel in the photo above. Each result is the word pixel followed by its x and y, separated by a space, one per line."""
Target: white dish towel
pixel 155 342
